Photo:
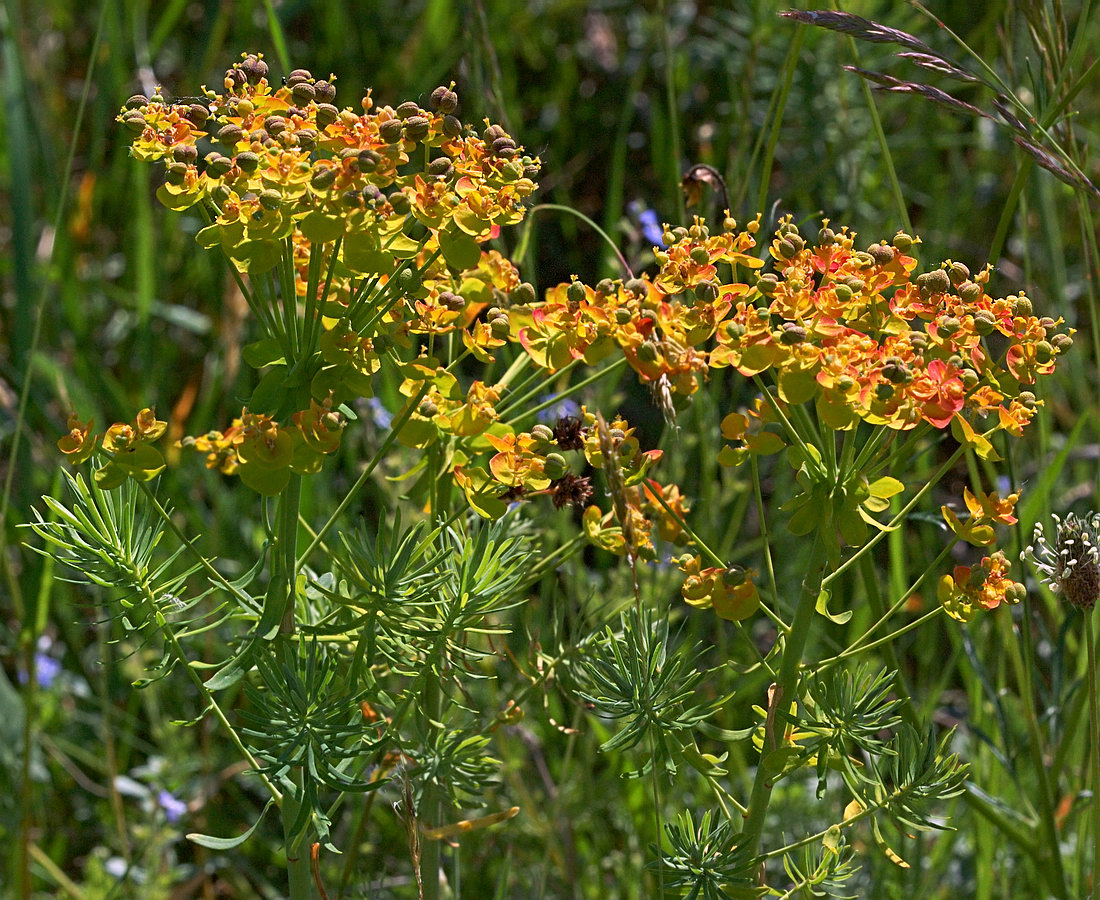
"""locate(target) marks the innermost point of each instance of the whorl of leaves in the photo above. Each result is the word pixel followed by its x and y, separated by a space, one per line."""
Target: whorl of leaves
pixel 634 677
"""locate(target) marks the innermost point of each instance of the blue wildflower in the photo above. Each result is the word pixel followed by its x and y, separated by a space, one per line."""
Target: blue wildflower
pixel 46 670
pixel 379 414
pixel 567 406
pixel 651 227
pixel 173 807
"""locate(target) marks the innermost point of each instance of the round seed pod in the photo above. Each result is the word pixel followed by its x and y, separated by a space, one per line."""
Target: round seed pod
pixel 220 194
pixel 247 162
pixel 969 379
pixel 408 109
pixel 271 199
pixel 706 292
pixel 444 99
pixel 135 101
pixel 636 286
pixel 605 286
pixel 767 284
pixel 500 327
pixel 544 434
pixel 427 408
pixel 1047 322
pixel 259 136
pixel 441 168
pixel 984 323
pixel 324 91
pixel 452 301
pixel 1062 342
pixel 881 254
pixel 843 293
pixel 417 128
pixel 734 576
pixel 230 135
pixel 647 351
pixel 303 93
pixel 368 160
pixel 493 132
pixel 938 281
pixel 235 78
pixel 555 466
pixel 197 114
pixel 298 76
pixel 575 293
pixel 452 127
pixel 326 115
pixel 902 242
pixel 1044 352
pixel 884 391
pixel 948 326
pixel 700 257
pixel 185 153
pixel 253 68
pixel 322 179
pixel 400 203
pixel 390 130
pixel 1027 399
pixel 791 333
pixel 176 173
pixel 970 291
pixel 135 122
pixel 622 316
pixel 958 273
pixel 524 293
pixel 826 237
pixel 217 165
pixel 351 199
pixel 273 125
pixel 1022 307
pixel 787 250
pixel 503 143
pixel 307 138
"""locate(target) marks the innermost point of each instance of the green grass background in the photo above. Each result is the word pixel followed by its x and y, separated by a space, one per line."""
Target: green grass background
pixel 619 98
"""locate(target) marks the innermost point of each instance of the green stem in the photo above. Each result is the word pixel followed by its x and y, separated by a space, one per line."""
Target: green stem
pixel 431 803
pixel 785 690
pixel 361 481
pixel 282 592
pixel 1093 744
pixel 898 519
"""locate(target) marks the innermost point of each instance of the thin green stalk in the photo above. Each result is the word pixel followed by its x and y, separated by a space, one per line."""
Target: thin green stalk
pixel 784 691
pixel 591 224
pixel 656 783
pixel 790 64
pixel 361 481
pixel 514 401
pixel 884 147
pixel 40 302
pixel 579 386
pixel 431 803
pixel 1093 745
pixel 673 111
pixel 282 592
pixel 896 520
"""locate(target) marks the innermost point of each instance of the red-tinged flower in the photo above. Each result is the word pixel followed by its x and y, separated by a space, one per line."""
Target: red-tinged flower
pixel 79 444
pixel 729 592
pixel 985 586
pixel 941 392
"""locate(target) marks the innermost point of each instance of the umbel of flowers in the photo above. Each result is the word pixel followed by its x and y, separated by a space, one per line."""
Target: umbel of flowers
pixel 358 237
